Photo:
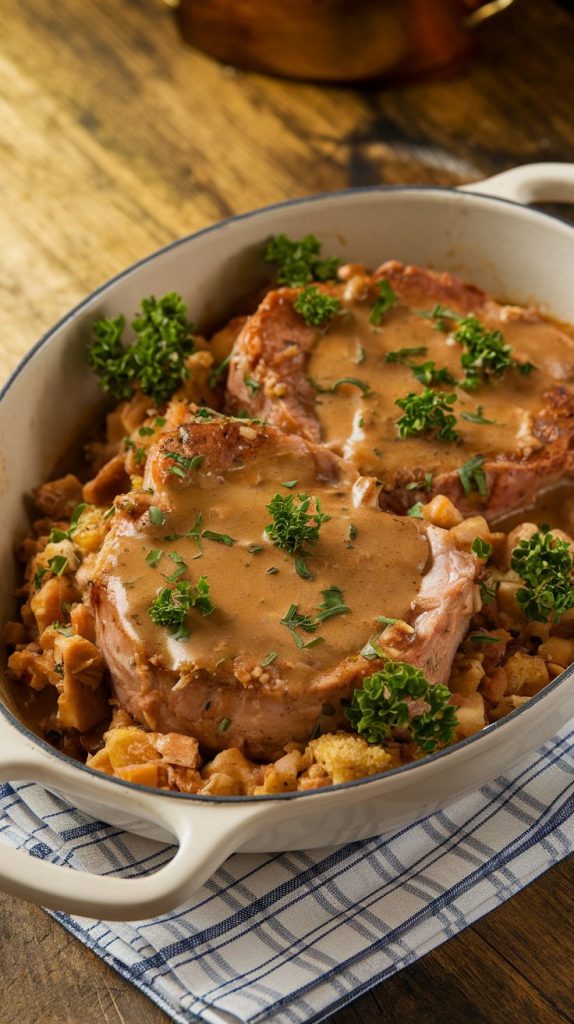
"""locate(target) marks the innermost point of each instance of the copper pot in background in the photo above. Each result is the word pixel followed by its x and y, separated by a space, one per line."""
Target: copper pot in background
pixel 335 40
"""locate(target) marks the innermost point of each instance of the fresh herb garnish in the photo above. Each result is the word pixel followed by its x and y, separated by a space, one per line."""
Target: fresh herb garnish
pixel 386 699
pixel 331 388
pixel 484 638
pixel 473 477
pixel 428 412
pixel 156 516
pixel 214 374
pixel 65 629
pixel 416 510
pixel 303 570
pixel 299 262
pixel 385 301
pixel 223 725
pixel 146 431
pixel 486 354
pixel 384 619
pixel 476 417
pixel 332 604
pixel 421 485
pixel 402 355
pixel 427 374
pixel 544 562
pixel 57 564
pixel 57 535
pixel 481 548
pixel 440 315
pixel 351 535
pixel 154 557
pixel 293 524
pixel 181 567
pixel 289 483
pixel 272 570
pixel 370 652
pixel 183 463
pixel 39 577
pixel 255 549
pixel 269 659
pixel 160 421
pixel 220 538
pixel 488 590
pixel 360 355
pixel 253 386
pixel 156 361
pixel 172 604
pixel 315 307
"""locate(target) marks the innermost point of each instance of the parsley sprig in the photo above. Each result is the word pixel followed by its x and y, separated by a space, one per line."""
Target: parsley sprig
pixel 545 564
pixel 386 300
pixel 384 703
pixel 171 606
pixel 299 262
pixel 156 360
pixel 316 307
pixel 426 413
pixel 297 520
pixel 333 603
pixel 486 353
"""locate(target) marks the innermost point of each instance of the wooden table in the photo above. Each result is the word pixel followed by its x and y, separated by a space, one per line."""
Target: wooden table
pixel 116 139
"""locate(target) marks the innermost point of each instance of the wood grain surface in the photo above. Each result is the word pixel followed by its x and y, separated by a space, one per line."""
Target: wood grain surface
pixel 116 139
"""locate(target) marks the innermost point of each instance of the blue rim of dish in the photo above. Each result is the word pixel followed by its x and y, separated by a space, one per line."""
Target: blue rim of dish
pixel 46 338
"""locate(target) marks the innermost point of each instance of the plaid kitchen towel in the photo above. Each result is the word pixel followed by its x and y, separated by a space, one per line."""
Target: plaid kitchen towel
pixel 291 938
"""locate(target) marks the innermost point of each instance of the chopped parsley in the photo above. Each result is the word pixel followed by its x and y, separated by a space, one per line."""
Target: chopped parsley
pixel 481 548
pixel 170 607
pixel 156 516
pixel 384 619
pixel 289 483
pixel 220 538
pixel 427 374
pixel 488 590
pixel 303 570
pixel 299 262
pixel 57 535
pixel 269 659
pixel 545 565
pixel 385 301
pixel 484 638
pixel 476 417
pixel 427 413
pixel 146 431
pixel 293 524
pixel 183 463
pixel 255 549
pixel 224 725
pixel 370 652
pixel 315 307
pixel 440 315
pixel 473 477
pixel 416 510
pixel 331 388
pixel 214 374
pixel 154 557
pixel 155 361
pixel 253 386
pixel 486 354
pixel 57 564
pixel 402 355
pixel 332 604
pixel 421 485
pixel 39 577
pixel 384 704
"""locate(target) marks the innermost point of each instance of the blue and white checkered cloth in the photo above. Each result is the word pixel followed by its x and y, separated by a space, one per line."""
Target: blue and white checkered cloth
pixel 293 937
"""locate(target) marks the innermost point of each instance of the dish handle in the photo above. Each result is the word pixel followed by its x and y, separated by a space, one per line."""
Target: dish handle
pixel 530 183
pixel 206 833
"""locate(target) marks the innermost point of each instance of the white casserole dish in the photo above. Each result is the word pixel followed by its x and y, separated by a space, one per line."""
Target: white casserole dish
pixel 511 251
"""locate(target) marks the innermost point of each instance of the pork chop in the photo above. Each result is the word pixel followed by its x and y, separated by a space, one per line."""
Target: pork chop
pixel 339 385
pixel 292 633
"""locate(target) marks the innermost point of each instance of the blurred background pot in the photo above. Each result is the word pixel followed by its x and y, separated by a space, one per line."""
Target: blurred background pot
pixel 336 40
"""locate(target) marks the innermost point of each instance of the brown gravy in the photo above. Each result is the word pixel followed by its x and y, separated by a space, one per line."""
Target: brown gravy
pixel 363 428
pixel 377 561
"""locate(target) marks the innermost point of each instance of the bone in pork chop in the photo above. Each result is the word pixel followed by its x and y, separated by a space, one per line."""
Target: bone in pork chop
pixel 338 386
pixel 280 652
